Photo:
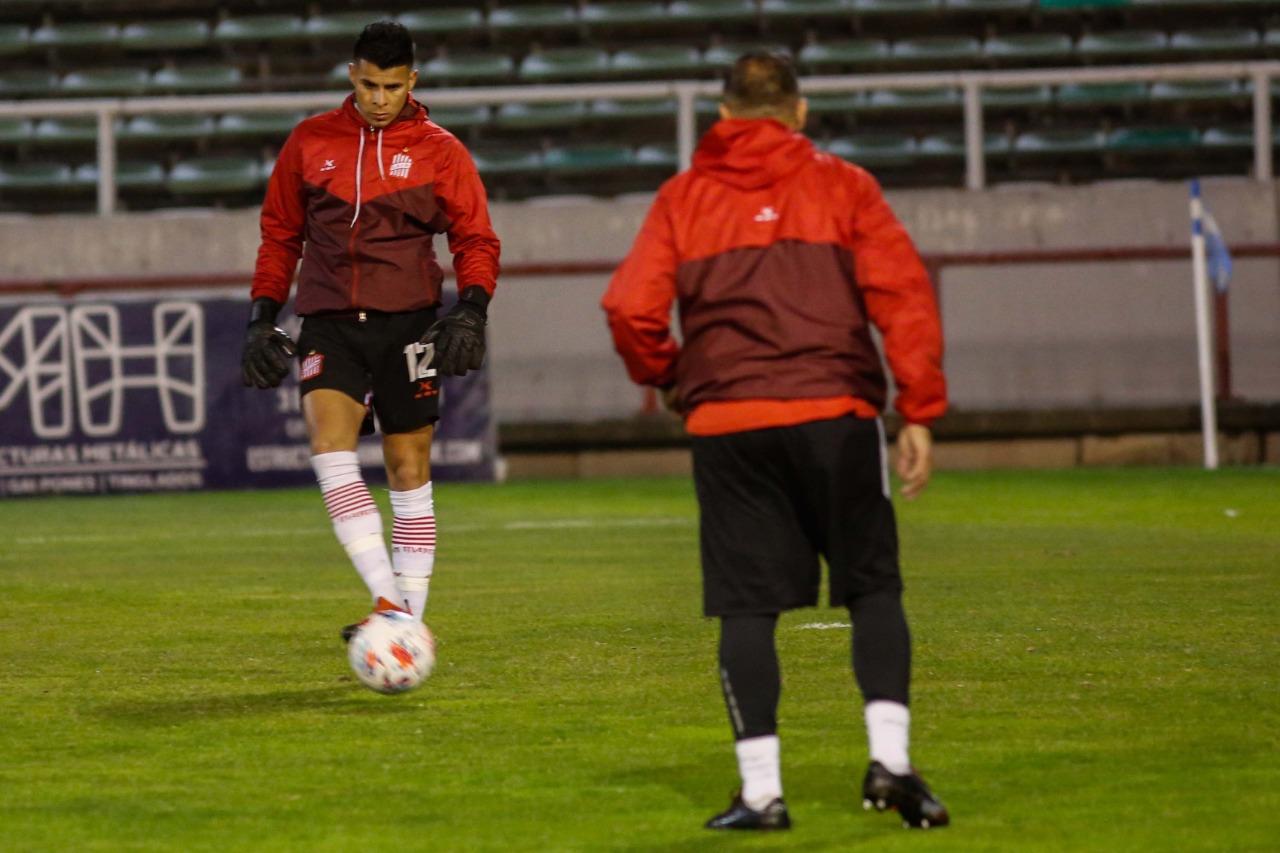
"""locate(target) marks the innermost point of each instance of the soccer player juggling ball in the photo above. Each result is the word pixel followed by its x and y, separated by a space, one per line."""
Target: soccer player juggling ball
pixel 782 258
pixel 358 193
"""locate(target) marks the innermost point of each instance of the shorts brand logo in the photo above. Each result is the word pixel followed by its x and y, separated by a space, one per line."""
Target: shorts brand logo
pixel 328 166
pixel 400 165
pixel 312 366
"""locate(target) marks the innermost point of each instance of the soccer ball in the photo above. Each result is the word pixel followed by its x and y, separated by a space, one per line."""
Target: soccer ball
pixel 392 652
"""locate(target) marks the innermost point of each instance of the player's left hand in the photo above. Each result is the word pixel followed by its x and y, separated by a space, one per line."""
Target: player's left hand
pixel 459 335
pixel 915 459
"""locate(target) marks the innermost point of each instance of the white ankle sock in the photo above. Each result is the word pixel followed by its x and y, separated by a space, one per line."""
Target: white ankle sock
pixel 356 520
pixel 413 545
pixel 888 728
pixel 761 771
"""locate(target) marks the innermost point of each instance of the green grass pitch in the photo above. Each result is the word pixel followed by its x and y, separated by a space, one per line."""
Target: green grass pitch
pixel 1096 668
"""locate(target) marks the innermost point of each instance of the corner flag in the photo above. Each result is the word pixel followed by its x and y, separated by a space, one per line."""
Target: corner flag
pixel 1201 245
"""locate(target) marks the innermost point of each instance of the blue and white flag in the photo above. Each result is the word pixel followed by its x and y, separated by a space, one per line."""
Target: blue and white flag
pixel 1217 256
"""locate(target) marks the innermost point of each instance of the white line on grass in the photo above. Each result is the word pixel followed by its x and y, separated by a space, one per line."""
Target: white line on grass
pixel 822 626
pixel 273 532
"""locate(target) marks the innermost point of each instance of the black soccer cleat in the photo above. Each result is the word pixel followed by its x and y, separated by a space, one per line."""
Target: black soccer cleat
pixel 906 794
pixel 739 815
pixel 349 631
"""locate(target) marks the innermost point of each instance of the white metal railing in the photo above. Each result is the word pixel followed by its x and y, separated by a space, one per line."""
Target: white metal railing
pixel 686 92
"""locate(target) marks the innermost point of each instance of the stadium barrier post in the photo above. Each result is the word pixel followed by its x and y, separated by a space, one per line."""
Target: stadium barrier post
pixel 1262 157
pixel 974 156
pixel 106 162
pixel 1200 281
pixel 686 124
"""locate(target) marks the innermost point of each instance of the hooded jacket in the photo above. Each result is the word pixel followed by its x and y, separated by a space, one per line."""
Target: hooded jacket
pixel 360 206
pixel 782 258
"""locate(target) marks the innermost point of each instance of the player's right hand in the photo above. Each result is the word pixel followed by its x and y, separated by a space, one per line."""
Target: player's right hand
pixel 268 350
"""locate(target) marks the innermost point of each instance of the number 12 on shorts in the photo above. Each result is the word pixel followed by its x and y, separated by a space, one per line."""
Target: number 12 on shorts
pixel 419 357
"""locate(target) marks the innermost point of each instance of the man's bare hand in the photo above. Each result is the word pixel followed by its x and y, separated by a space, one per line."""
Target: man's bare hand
pixel 915 459
pixel 671 400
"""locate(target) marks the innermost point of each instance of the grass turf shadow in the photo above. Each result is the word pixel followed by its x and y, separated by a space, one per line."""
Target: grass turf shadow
pixel 344 698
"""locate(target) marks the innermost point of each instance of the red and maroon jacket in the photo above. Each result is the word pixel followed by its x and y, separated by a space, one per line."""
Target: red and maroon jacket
pixel 360 207
pixel 782 258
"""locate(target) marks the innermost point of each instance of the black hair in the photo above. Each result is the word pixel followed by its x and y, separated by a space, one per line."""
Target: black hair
pixel 761 83
pixel 386 44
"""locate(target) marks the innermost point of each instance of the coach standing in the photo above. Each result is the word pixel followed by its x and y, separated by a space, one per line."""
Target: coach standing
pixel 782 258
pixel 359 193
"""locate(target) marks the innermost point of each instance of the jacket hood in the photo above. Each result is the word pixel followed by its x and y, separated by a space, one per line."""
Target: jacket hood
pixel 412 111
pixel 751 153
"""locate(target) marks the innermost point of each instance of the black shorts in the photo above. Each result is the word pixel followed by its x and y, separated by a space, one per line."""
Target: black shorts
pixel 773 500
pixel 378 354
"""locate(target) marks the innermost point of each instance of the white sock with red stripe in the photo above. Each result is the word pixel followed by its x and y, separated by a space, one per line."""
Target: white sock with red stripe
pixel 356 520
pixel 413 544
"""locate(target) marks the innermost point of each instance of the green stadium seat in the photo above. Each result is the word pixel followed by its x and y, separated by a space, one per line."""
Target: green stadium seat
pixel 213 175
pixel 130 175
pixel 197 78
pixel 540 16
pixel 950 146
pixel 711 11
pixel 66 130
pixel 505 161
pixel 1237 40
pixel 721 56
pixel 937 50
pixel 165 35
pixel 1227 137
pixel 807 8
pixel 563 63
pixel 874 149
pixel 1059 142
pixel 462 66
pixel 35 177
pixel 990 7
pixel 341 25
pixel 1074 6
pixel 460 117
pixel 1019 97
pixel 837 102
pixel 442 21
pixel 627 109
pixel 659 61
pixel 162 127
pixel 1029 47
pixel 260 28
pixel 14 130
pixel 540 115
pixel 898 7
pixel 656 157
pixel 1122 43
pixel 266 125
pixel 624 14
pixel 915 99
pixel 14 39
pixel 89 34
pixel 1090 95
pixel 106 81
pixel 1186 91
pixel 706 107
pixel 28 82
pixel 846 53
pixel 596 157
pixel 1156 138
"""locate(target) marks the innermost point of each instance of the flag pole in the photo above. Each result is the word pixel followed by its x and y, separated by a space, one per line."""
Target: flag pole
pixel 1200 280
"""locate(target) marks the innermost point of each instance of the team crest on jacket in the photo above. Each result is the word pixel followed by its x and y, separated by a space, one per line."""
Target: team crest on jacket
pixel 400 165
pixel 312 366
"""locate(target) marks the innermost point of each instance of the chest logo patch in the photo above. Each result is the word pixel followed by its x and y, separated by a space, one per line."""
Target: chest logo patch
pixel 400 165
pixel 328 166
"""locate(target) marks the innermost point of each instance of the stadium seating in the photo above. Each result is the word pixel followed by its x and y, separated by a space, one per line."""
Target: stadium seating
pixel 89 48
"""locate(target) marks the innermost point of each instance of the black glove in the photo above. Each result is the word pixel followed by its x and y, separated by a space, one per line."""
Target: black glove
pixel 268 351
pixel 458 336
